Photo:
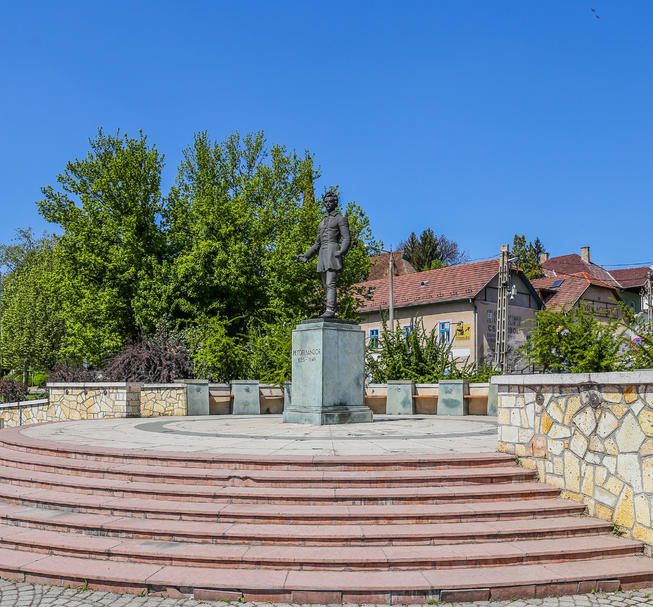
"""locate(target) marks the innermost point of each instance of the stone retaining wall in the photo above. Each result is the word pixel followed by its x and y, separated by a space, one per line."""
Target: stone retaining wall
pixel 24 412
pixel 93 400
pixel 589 434
pixel 163 399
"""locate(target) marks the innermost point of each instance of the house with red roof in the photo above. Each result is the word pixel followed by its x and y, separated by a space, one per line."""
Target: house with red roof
pixel 627 283
pixel 459 302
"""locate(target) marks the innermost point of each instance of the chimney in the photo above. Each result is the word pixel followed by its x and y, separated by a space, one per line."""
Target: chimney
pixel 585 254
pixel 544 257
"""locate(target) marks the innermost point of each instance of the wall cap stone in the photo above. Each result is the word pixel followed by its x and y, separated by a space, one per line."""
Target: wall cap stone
pixel 640 376
pixel 94 385
pixel 167 386
pixel 24 403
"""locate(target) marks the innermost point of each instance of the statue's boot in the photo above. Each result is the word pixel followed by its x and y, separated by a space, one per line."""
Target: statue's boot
pixel 329 314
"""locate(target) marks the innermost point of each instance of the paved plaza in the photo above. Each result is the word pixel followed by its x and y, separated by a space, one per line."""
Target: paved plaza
pixel 268 435
pixel 19 594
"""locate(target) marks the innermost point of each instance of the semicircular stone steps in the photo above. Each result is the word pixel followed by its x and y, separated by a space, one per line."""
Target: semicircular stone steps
pixel 308 530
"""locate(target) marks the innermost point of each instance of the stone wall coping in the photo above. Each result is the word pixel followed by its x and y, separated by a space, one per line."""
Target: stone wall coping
pixel 24 403
pixel 94 385
pixel 640 376
pixel 218 385
pixel 190 381
pixel 242 382
pixel 166 386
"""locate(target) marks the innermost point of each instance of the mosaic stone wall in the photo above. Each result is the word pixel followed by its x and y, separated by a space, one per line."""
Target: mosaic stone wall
pixel 163 399
pixel 93 401
pixel 26 412
pixel 589 434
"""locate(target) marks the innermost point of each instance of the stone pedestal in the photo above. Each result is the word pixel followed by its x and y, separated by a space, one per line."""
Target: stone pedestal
pixel 247 400
pixel 451 397
pixel 197 395
pixel 328 374
pixel 400 397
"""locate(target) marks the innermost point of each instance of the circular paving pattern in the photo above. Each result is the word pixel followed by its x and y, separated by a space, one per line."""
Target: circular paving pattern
pixel 268 435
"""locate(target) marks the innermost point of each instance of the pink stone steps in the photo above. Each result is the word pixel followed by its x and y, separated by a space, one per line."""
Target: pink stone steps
pixel 276 495
pixel 341 558
pixel 410 529
pixel 516 581
pixel 11 458
pixel 509 529
pixel 12 439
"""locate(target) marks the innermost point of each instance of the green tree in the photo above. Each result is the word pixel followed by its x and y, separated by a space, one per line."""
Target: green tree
pixel 32 325
pixel 528 256
pixel 431 252
pixel 237 216
pixel 579 340
pixel 107 205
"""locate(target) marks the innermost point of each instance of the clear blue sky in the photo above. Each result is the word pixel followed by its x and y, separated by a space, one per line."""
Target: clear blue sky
pixel 479 119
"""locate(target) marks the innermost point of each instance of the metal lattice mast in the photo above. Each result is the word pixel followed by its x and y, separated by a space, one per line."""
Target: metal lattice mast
pixel 501 354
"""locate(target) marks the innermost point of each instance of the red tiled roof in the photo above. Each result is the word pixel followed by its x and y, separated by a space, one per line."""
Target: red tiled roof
pixel 381 266
pixel 454 282
pixel 571 289
pixel 575 264
pixel 631 277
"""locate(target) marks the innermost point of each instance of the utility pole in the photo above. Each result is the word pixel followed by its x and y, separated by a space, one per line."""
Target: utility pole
pixel 649 300
pixel 501 354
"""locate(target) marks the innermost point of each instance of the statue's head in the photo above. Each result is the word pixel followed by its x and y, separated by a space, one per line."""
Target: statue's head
pixel 330 201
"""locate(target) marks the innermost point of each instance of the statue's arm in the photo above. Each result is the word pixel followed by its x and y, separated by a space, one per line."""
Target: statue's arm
pixel 346 238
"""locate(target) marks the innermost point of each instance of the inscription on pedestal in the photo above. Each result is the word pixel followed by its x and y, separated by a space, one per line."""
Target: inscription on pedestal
pixel 306 356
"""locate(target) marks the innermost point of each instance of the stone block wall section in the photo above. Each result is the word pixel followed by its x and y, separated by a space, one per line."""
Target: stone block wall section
pixel 589 434
pixel 163 399
pixel 93 400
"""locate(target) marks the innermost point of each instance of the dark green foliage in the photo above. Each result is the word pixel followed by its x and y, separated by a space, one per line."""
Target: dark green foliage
pixel 528 256
pixel 640 357
pixel 159 359
pixel 579 340
pixel 431 252
pixel 67 371
pixel 12 391
pixel 418 355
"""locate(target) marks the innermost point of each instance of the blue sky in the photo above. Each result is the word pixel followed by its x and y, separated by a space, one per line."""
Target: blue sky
pixel 478 119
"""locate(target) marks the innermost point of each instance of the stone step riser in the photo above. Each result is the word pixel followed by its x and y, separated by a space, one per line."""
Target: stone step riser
pixel 332 463
pixel 275 563
pixel 185 493
pixel 517 476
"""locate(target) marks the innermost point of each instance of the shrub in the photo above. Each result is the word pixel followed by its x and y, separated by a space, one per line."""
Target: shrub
pixel 12 391
pixel 69 372
pixel 157 359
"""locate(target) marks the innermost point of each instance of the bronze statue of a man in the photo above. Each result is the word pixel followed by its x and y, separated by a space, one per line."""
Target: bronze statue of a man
pixel 331 230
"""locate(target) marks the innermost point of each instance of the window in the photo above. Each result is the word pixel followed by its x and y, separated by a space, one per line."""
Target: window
pixel 374 339
pixel 408 329
pixel 445 331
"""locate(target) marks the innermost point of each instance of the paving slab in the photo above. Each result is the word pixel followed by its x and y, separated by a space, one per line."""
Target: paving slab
pixel 267 435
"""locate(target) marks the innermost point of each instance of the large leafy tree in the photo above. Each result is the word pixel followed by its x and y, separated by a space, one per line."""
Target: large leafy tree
pixel 430 252
pixel 528 256
pixel 108 205
pixel 237 215
pixel 32 324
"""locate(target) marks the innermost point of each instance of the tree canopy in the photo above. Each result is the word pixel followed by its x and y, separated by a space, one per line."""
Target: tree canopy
pixel 430 252
pixel 528 256
pixel 213 255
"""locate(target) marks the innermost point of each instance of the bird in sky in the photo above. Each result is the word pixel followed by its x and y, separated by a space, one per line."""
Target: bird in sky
pixel 595 15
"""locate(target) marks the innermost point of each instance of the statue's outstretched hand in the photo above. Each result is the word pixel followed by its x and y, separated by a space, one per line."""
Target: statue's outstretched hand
pixel 301 258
